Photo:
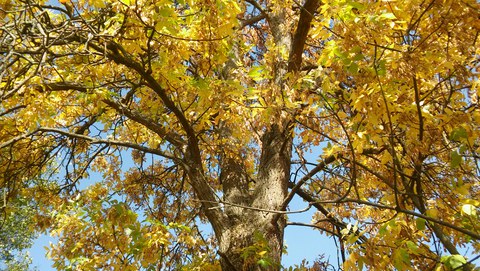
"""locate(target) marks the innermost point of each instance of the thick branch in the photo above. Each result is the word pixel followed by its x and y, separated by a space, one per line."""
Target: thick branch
pixel 251 21
pixel 193 160
pixel 16 139
pixel 304 24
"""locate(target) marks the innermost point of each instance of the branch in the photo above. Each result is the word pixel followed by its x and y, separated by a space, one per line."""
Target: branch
pixel 254 208
pixel 252 20
pixel 120 56
pixel 59 86
pixel 189 39
pixel 318 168
pixel 93 140
pixel 16 139
pixel 313 226
pixel 10 110
pixel 330 217
pixel 307 177
pixel 193 163
pixel 173 138
pixel 256 5
pixel 300 36
pixel 408 212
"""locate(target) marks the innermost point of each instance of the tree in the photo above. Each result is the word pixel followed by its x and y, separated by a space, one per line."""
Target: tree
pixel 16 236
pixel 218 105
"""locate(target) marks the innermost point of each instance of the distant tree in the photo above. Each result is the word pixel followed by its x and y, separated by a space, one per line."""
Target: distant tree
pixel 367 110
pixel 16 236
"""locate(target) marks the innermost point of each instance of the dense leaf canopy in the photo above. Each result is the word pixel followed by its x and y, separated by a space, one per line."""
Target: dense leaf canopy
pixel 186 112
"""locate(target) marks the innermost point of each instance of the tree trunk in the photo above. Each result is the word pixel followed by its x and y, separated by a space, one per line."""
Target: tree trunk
pixel 252 238
pixel 242 247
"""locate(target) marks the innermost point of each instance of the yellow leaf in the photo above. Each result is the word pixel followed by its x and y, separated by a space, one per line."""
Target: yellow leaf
pixel 261 253
pixel 342 115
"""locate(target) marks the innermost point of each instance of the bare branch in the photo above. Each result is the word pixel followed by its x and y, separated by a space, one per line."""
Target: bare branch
pixel 251 21
pixel 256 209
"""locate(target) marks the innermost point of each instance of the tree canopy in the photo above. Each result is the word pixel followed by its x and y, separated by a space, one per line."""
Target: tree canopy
pixel 187 112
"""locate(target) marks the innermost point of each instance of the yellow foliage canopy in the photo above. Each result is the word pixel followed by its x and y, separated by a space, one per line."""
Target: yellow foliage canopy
pixel 223 111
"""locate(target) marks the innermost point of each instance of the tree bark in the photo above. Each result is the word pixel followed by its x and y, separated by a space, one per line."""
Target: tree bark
pixel 251 230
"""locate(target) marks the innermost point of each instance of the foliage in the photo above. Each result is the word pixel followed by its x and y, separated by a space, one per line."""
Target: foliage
pixel 257 253
pixel 318 265
pixel 20 262
pixel 186 112
pixel 108 225
pixel 16 235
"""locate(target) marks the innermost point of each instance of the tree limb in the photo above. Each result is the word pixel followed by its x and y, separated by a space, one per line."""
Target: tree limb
pixel 300 36
pixel 408 212
pixel 93 140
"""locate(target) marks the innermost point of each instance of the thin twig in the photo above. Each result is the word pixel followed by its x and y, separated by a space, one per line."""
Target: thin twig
pixel 220 202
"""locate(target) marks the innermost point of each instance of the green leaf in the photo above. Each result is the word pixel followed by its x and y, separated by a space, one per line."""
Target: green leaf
pixel 256 73
pixel 383 229
pixel 263 263
pixel 353 68
pixel 412 247
pixel 388 15
pixel 381 69
pixel 453 261
pixel 357 5
pixel 339 53
pixel 420 222
pixel 458 134
pixel 456 159
pixel 401 258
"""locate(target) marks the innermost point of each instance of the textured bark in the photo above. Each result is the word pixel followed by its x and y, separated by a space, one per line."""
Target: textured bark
pixel 243 223
pixel 270 192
